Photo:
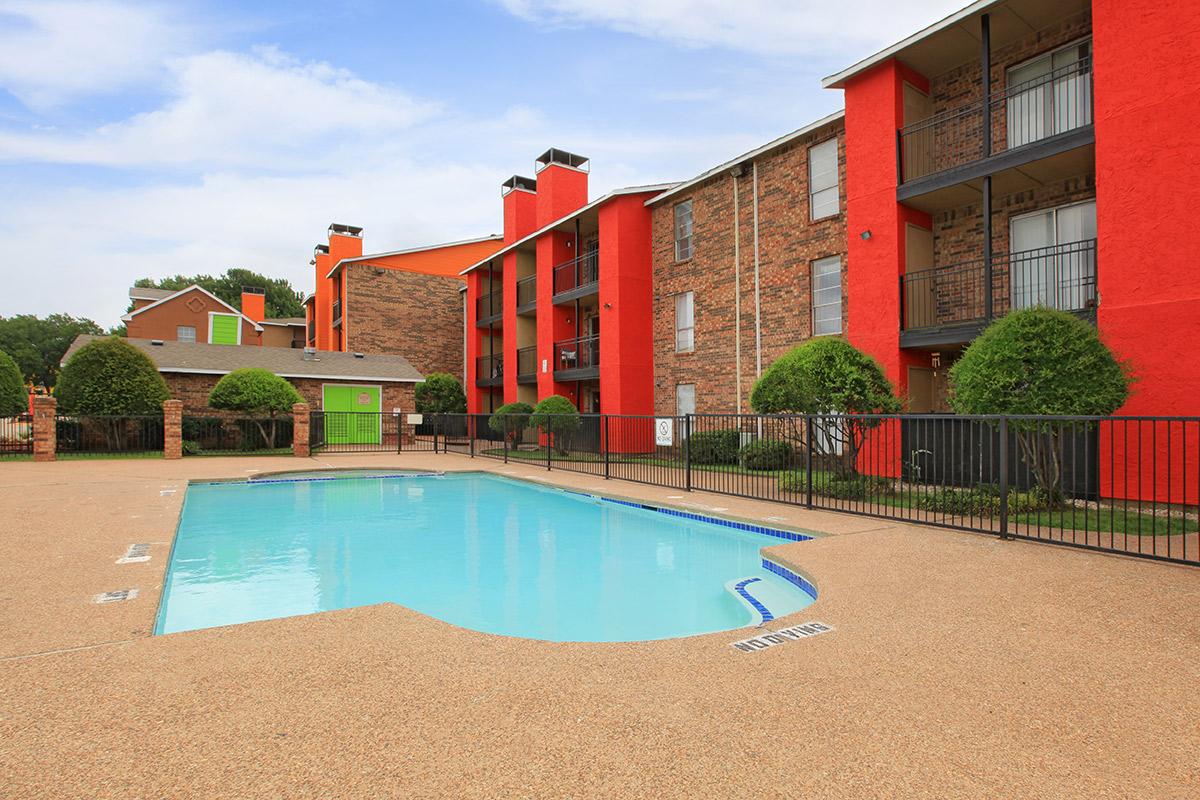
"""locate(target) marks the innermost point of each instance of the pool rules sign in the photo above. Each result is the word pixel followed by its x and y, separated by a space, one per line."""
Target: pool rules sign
pixel 664 431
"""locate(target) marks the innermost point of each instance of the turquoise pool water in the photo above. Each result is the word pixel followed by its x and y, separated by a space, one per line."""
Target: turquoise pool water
pixel 478 551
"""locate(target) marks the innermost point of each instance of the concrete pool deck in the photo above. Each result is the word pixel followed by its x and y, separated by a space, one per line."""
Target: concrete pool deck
pixel 959 666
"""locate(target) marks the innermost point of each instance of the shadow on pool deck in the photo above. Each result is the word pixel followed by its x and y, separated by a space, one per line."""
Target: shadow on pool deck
pixel 960 665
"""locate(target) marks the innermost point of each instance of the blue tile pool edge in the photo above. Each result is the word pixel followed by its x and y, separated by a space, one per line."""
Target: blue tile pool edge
pixel 791 576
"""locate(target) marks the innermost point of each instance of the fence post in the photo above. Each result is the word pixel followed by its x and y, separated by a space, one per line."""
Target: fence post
pixel 172 429
pixel 301 430
pixel 687 451
pixel 808 461
pixel 504 439
pixel 45 427
pixel 606 473
pixel 437 424
pixel 549 446
pixel 1003 477
pixel 471 421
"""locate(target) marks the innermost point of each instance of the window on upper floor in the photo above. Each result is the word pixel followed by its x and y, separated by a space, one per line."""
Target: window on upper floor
pixel 685 322
pixel 185 333
pixel 823 198
pixel 1049 94
pixel 683 231
pixel 827 296
pixel 685 399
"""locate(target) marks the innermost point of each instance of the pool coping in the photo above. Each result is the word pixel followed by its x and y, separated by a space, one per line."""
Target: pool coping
pixel 786 535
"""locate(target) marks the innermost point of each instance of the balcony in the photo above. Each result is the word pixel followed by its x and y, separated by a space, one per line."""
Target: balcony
pixel 577 359
pixel 577 278
pixel 949 305
pixel 337 313
pixel 489 370
pixel 489 308
pixel 527 364
pixel 527 295
pixel 1036 119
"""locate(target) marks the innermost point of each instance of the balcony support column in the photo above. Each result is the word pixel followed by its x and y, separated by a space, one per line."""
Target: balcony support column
pixel 987 248
pixel 985 37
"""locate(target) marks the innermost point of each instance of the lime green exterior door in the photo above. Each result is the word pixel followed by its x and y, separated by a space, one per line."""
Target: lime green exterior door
pixel 352 414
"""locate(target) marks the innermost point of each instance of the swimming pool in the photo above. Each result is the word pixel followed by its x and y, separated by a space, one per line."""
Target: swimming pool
pixel 475 550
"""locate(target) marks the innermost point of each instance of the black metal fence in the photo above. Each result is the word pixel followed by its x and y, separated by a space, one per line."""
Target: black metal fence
pixel 367 432
pixel 1124 484
pixel 85 435
pixel 250 435
pixel 16 436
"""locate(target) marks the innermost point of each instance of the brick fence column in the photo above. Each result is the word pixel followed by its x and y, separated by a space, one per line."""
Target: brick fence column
pixel 172 429
pixel 45 431
pixel 300 422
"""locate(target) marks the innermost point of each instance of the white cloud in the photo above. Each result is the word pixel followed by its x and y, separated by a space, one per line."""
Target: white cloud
pixel 51 52
pixel 771 27
pixel 263 109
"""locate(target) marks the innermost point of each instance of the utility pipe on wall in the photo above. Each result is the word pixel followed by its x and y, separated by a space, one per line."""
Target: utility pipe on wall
pixel 757 293
pixel 737 298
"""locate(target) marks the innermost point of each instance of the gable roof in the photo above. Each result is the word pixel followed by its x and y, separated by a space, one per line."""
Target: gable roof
pixel 414 250
pixel 173 295
pixel 148 293
pixel 286 362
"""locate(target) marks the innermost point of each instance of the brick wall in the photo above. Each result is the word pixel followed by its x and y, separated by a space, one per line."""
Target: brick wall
pixel 410 314
pixel 194 390
pixel 788 244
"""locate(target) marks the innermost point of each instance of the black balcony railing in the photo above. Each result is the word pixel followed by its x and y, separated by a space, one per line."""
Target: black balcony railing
pixel 1062 277
pixel 527 362
pixel 489 370
pixel 1021 114
pixel 581 353
pixel 489 306
pixel 312 330
pixel 337 313
pixel 578 272
pixel 526 292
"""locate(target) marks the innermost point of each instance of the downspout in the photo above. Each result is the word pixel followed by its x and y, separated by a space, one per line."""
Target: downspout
pixel 757 294
pixel 737 298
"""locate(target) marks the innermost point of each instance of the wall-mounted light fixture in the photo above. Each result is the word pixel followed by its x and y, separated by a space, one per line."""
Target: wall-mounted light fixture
pixel 865 235
pixel 608 305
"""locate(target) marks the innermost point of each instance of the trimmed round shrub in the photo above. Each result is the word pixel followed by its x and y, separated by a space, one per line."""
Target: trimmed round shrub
pixel 714 447
pixel 557 417
pixel 510 419
pixel 765 455
pixel 440 393
pixel 110 377
pixel 14 397
pixel 258 392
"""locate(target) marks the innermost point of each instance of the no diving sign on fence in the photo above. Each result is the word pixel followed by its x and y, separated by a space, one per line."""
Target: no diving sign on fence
pixel 664 431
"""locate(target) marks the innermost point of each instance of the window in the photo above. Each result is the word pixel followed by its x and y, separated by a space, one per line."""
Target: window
pixel 1052 258
pixel 185 333
pixel 1050 94
pixel 685 399
pixel 683 231
pixel 685 323
pixel 823 179
pixel 827 296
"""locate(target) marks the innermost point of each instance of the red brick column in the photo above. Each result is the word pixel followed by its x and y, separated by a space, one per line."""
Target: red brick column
pixel 300 420
pixel 172 429
pixel 45 433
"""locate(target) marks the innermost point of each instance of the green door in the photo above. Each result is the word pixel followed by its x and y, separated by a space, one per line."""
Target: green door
pixel 352 414
pixel 225 329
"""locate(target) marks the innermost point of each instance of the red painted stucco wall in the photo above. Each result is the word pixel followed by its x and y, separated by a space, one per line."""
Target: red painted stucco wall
pixel 626 307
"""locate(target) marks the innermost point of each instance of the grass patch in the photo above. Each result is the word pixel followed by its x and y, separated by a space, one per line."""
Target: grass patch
pixel 540 455
pixel 108 456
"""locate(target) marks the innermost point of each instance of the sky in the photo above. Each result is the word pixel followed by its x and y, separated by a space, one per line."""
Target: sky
pixel 152 139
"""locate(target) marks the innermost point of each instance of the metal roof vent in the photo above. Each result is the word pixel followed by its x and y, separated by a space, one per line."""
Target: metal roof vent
pixel 310 354
pixel 321 250
pixel 345 230
pixel 359 355
pixel 563 158
pixel 156 342
pixel 518 182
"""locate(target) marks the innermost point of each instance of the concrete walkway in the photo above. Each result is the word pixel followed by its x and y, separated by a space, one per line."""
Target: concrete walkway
pixel 960 666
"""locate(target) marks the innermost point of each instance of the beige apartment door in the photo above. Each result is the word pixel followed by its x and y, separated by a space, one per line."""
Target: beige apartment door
pixel 920 289
pixel 920 390
pixel 918 144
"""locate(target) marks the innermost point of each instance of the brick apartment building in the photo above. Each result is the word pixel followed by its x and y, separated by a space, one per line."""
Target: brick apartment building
pixel 194 314
pixel 565 306
pixel 1025 153
pixel 749 261
pixel 407 302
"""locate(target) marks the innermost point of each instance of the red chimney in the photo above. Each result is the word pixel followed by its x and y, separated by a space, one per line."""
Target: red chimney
pixel 562 184
pixel 520 208
pixel 254 303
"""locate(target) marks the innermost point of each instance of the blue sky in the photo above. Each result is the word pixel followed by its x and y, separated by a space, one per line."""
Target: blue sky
pixel 148 139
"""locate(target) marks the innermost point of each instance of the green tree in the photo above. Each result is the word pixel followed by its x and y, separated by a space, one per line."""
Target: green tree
pixel 281 299
pixel 14 397
pixel 110 377
pixel 255 391
pixel 510 420
pixel 1039 361
pixel 440 393
pixel 557 417
pixel 38 344
pixel 828 376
